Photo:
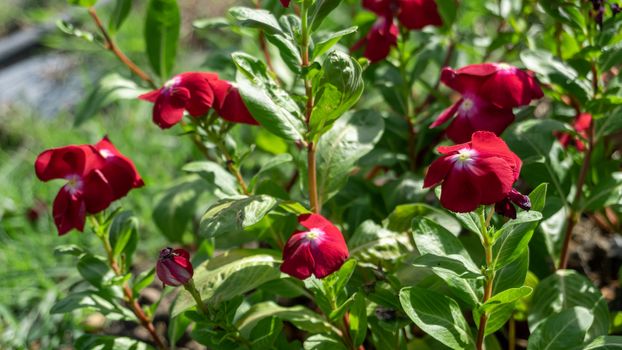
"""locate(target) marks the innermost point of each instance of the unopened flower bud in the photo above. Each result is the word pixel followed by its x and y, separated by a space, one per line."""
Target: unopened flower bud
pixel 174 267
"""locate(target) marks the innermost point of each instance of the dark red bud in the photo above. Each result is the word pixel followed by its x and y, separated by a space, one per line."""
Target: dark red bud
pixel 174 267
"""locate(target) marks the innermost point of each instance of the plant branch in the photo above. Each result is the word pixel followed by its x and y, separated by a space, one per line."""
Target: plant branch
pixel 144 320
pixel 490 275
pixel 191 288
pixel 311 146
pixel 110 45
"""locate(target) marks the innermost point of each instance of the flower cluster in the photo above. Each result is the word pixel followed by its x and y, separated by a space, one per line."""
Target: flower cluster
pixel 318 251
pixel 96 176
pixel 489 92
pixel 412 14
pixel 197 93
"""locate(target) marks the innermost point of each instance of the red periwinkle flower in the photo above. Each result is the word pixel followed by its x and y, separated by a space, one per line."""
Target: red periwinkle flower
pixel 413 14
pixel 86 190
pixel 489 92
pixel 379 40
pixel 285 3
pixel 321 250
pixel 197 93
pixel 581 125
pixel 479 172
pixel 505 86
pixel 174 267
pixel 96 176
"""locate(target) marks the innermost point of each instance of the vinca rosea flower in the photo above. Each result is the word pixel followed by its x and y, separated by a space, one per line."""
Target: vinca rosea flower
pixel 412 14
pixel 480 172
pixel 581 125
pixel 285 3
pixel 96 176
pixel 318 251
pixel 489 92
pixel 379 40
pixel 174 267
pixel 196 93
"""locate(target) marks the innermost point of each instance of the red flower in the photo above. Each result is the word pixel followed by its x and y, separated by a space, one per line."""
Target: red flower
pixel 503 85
pixel 413 14
pixel 195 92
pixel 489 92
pixel 473 113
pixel 319 251
pixel 285 3
pixel 479 172
pixel 379 40
pixel 174 267
pixel 505 207
pixel 581 125
pixel 87 190
pixel 96 176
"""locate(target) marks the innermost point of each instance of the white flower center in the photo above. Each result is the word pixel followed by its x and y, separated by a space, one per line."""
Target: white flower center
pixel 172 82
pixel 467 105
pixel 74 184
pixel 464 158
pixel 314 234
pixel 504 67
pixel 106 153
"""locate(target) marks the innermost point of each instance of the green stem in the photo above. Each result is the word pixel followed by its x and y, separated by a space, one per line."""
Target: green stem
pixel 191 288
pixel 311 146
pixel 490 275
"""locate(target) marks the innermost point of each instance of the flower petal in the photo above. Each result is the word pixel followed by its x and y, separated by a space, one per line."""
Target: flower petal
pixel 458 192
pixel 297 258
pixel 416 14
pixel 493 177
pixel 234 110
pixel 437 171
pixel 57 163
pixel 487 143
pixel 69 211
pixel 151 96
pixel 447 114
pixel 97 193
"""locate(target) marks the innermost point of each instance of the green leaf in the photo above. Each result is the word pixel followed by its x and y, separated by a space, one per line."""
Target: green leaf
pixel 508 296
pixel 92 269
pixel 326 43
pixel 353 136
pixel 470 221
pixel 339 88
pixel 143 280
pixel 373 245
pixel 162 25
pixel 232 215
pixel 108 342
pixel 124 234
pixel 272 163
pixel 319 10
pixel 226 184
pixel 108 90
pixel 273 107
pixel 431 238
pixel 438 316
pixel 68 249
pixel 400 220
pixel 552 71
pixel 448 9
pixel 565 330
pixel 119 14
pixel 256 18
pixel 231 274
pixel 337 280
pixel 604 343
pixel 86 299
pixel 177 327
pixel 512 275
pixel 266 332
pixel 323 342
pixel 358 319
pixel 566 289
pixel 176 207
pixel 512 240
pixel 83 3
pixel 300 316
pixel 451 264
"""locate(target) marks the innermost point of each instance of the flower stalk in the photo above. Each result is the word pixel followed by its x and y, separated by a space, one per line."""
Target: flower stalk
pixel 128 294
pixel 191 288
pixel 311 146
pixel 490 274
